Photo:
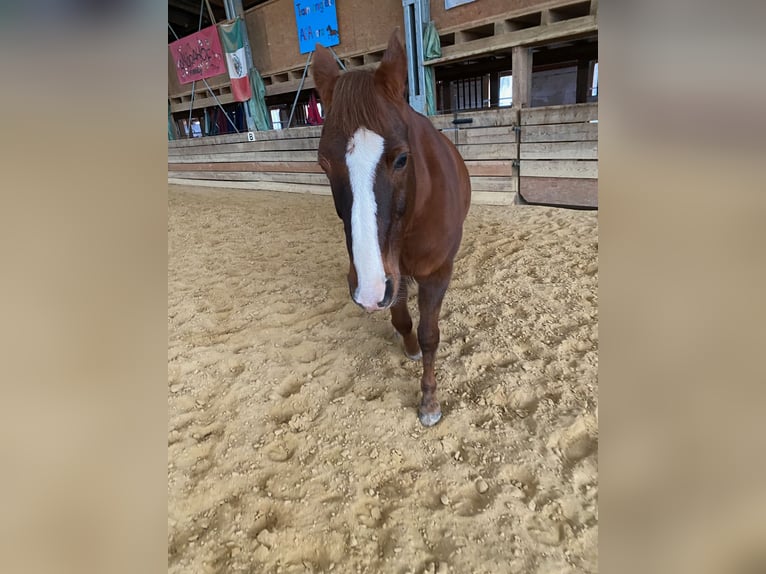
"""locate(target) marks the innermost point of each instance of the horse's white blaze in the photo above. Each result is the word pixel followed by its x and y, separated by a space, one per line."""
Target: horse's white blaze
pixel 363 153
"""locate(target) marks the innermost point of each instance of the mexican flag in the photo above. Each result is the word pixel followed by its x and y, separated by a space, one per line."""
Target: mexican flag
pixel 234 48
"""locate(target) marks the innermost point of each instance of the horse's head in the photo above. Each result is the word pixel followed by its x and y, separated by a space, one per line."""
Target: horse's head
pixel 364 151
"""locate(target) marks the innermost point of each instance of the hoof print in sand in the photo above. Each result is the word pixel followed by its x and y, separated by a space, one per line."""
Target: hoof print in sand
pixel 280 451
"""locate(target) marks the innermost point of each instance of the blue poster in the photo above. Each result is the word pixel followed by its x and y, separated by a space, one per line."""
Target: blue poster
pixel 317 24
pixel 452 3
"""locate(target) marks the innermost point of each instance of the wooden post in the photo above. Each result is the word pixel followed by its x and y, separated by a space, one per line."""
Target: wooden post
pixel 494 88
pixel 521 68
pixel 583 75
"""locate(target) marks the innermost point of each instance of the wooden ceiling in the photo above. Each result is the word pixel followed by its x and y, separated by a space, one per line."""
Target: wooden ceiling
pixel 183 15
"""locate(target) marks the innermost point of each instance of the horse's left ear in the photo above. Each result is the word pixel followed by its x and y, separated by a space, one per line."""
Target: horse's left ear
pixel 325 72
pixel 391 75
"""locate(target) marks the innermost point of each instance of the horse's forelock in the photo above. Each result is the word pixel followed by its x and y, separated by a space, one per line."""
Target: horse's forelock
pixel 356 104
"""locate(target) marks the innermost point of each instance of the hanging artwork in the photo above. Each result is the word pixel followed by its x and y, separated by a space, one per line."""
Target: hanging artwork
pixel 198 56
pixel 317 24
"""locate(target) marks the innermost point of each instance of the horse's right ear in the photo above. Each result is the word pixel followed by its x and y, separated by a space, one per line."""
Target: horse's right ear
pixel 325 72
pixel 391 75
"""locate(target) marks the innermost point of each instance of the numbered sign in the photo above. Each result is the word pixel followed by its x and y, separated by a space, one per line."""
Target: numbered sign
pixel 251 136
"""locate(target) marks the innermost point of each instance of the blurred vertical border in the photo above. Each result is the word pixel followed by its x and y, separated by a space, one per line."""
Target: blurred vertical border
pixel 83 290
pixel 83 293
pixel 682 278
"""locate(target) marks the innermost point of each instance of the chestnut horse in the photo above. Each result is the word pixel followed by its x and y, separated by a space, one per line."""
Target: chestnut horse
pixel 402 191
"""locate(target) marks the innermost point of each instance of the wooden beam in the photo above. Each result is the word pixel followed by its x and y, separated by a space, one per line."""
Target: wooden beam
pixel 277 88
pixel 559 191
pixel 522 76
pixel 275 166
pixel 281 177
pixel 559 133
pixel 559 150
pixel 256 146
pixel 255 185
pixel 477 197
pixel 481 118
pixel 496 184
pixel 292 133
pixel 568 113
pixel 492 198
pixel 497 135
pixel 559 168
pixel 537 35
pixel 489 168
pixel 488 151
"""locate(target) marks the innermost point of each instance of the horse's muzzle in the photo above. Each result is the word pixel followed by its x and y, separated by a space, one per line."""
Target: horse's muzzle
pixel 384 303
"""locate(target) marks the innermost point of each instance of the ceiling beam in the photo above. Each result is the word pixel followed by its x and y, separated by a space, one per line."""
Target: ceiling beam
pixel 184 5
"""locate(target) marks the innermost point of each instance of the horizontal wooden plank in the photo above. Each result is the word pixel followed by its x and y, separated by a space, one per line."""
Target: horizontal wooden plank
pixel 208 140
pixel 271 156
pixel 487 151
pixel 559 168
pixel 477 197
pixel 493 198
pixel 254 185
pixel 560 191
pixel 282 166
pixel 559 150
pixel 501 134
pixel 575 132
pixel 300 178
pixel 496 184
pixel 481 118
pixel 292 133
pixel 475 168
pixel 263 145
pixel 559 114
pixel 488 167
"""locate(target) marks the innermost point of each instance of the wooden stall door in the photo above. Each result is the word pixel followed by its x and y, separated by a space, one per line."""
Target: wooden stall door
pixel 489 147
pixel 558 155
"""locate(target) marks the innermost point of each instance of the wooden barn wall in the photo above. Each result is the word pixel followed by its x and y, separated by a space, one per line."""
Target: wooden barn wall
pixel 546 155
pixel 478 12
pixel 363 26
pixel 468 30
pixel 286 160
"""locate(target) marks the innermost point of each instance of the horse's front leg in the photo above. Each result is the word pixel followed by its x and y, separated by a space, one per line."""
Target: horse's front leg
pixel 430 295
pixel 400 318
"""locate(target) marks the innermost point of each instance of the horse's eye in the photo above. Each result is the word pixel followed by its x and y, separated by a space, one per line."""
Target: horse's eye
pixel 401 161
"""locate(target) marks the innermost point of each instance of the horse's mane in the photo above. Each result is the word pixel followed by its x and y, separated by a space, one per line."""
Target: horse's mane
pixel 356 103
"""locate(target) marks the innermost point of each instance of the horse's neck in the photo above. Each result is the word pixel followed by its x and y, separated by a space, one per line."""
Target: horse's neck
pixel 442 185
pixel 424 136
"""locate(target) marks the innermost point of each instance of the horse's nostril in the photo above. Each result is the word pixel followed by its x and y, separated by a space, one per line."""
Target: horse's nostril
pixel 388 294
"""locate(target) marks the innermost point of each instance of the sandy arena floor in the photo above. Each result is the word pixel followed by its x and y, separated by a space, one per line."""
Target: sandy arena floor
pixel 293 440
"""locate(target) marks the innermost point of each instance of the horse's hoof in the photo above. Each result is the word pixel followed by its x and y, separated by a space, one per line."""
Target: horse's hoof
pixel 414 357
pixel 429 419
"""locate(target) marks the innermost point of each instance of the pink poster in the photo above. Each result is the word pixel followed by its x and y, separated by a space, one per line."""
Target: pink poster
pixel 198 56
